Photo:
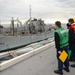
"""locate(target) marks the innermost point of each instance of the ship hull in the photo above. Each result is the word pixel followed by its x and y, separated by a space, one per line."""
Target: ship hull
pixel 12 43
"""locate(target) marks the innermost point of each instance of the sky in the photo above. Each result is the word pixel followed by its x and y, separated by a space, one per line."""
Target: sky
pixel 48 10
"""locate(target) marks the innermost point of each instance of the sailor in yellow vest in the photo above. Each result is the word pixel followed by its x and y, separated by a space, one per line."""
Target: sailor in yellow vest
pixel 61 43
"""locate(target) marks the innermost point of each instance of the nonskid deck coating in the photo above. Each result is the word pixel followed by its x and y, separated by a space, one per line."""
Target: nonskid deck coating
pixel 43 63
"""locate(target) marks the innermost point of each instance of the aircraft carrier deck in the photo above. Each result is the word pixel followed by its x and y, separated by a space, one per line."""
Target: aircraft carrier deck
pixel 43 63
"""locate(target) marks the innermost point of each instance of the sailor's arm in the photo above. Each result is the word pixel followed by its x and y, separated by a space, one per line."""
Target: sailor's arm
pixel 57 42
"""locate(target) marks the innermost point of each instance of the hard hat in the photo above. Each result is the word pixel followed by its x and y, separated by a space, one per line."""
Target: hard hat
pixel 74 19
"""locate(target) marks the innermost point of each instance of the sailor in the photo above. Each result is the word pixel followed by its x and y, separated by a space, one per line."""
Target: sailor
pixel 61 43
pixel 72 39
pixel 68 26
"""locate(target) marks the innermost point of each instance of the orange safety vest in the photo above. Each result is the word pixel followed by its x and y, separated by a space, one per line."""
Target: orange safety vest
pixel 73 27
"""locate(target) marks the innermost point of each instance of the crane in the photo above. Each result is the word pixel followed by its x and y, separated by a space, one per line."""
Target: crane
pixel 12 23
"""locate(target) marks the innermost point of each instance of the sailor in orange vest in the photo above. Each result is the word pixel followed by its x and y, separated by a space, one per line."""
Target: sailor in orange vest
pixel 72 39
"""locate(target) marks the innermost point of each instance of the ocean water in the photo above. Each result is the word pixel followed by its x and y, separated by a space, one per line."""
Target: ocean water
pixel 63 25
pixel 8 25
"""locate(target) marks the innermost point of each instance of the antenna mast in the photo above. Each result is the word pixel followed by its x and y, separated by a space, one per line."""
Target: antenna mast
pixel 30 11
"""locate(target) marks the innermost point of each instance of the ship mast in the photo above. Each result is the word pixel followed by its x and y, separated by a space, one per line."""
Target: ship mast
pixel 30 21
pixel 30 12
pixel 12 23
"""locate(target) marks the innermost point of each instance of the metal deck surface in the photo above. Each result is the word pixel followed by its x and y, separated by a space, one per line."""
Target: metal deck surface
pixel 43 63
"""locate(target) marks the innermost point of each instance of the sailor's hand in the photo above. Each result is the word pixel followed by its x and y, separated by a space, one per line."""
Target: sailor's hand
pixel 59 52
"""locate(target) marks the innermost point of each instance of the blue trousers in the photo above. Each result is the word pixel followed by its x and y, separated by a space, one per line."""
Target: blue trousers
pixel 66 63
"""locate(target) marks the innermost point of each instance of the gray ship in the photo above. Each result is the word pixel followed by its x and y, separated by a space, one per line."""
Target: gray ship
pixel 19 35
pixel 23 34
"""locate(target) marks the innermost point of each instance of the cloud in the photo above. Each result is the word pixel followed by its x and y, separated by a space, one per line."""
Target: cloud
pixel 67 3
pixel 45 9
